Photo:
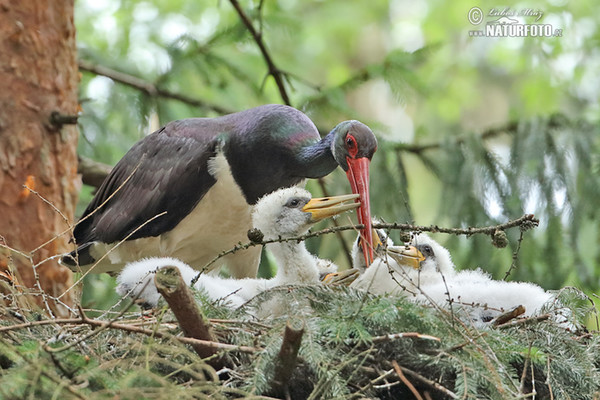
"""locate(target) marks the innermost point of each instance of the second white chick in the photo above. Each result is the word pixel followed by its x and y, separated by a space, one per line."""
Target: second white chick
pixel 429 276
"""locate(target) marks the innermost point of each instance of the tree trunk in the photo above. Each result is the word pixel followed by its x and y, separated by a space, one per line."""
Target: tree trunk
pixel 39 78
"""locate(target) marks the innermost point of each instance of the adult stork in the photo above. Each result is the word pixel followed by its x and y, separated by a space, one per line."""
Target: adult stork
pixel 187 190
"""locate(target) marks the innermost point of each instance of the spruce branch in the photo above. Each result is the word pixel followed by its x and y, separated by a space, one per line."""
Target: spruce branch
pixel 275 72
pixel 555 121
pixel 149 88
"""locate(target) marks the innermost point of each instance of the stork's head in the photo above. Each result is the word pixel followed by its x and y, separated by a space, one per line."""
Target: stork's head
pixel 352 148
pixel 292 211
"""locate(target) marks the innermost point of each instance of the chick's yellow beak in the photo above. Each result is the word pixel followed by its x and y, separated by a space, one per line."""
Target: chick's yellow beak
pixel 325 207
pixel 408 256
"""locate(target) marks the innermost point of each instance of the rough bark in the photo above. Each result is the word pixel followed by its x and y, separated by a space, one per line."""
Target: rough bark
pixel 39 76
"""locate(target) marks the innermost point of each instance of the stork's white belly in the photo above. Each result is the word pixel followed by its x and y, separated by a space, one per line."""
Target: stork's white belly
pixel 219 222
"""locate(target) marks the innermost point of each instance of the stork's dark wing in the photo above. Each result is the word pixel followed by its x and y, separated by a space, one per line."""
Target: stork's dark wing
pixel 167 171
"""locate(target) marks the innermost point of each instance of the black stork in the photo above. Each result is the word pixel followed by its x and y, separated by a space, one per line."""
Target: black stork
pixel 187 190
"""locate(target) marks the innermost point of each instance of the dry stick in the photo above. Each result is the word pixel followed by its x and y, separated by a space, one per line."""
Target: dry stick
pixel 406 381
pixel 508 316
pixel 36 276
pixel 287 358
pixel 176 292
pixel 394 336
pixel 525 321
pixel 147 87
pixel 428 382
pixel 257 36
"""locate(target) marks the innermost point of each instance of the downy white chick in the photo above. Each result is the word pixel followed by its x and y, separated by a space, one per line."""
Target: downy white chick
pixel 282 214
pixel 472 294
pixel 403 269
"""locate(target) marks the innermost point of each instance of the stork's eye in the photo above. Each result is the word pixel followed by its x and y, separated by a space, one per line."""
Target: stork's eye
pixel 350 142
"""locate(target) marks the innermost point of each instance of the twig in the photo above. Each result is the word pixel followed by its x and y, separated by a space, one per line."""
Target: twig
pixel 527 221
pixel 170 284
pixel 394 336
pixel 133 329
pixel 245 246
pixel 257 36
pixel 147 87
pixel 287 358
pixel 513 264
pixel 548 379
pixel 426 381
pixel 406 381
pixel 524 321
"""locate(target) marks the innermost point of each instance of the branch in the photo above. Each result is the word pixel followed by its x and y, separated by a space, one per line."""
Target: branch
pixel 170 284
pixel 555 121
pixel 394 336
pixel 92 172
pixel 300 238
pixel 257 36
pixel 147 87
pixel 526 222
pixel 426 381
pixel 406 381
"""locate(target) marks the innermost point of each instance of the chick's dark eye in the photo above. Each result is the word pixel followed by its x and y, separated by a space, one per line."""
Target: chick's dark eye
pixel 427 250
pixel 351 142
pixel 293 203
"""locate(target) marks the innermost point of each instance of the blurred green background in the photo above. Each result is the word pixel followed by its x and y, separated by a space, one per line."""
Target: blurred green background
pixel 472 131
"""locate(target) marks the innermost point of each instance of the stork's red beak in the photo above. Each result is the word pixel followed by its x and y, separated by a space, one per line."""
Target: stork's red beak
pixel 358 175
